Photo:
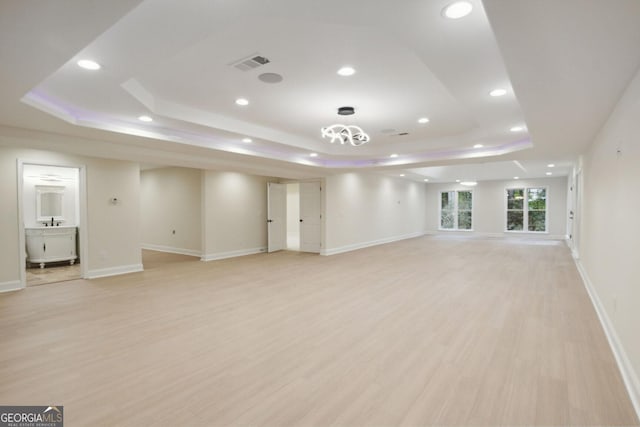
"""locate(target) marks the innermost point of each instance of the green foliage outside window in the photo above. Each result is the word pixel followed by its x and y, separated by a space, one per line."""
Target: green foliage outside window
pixel 535 213
pixel 446 219
pixel 456 210
pixel 515 220
pixel 464 220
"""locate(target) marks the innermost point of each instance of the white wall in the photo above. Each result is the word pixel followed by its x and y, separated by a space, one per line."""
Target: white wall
pixel 113 230
pixel 609 245
pixel 70 202
pixel 363 209
pixel 489 206
pixel 170 199
pixel 234 219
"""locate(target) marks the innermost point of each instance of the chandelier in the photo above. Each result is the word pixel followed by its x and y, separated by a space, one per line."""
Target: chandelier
pixel 353 135
pixel 344 134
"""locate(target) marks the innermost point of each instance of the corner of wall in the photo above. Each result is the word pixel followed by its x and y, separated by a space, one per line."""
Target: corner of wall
pixel 13 285
pixel 170 249
pixel 232 254
pixel 114 271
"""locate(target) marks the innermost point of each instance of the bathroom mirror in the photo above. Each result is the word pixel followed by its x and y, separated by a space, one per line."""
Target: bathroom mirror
pixel 49 203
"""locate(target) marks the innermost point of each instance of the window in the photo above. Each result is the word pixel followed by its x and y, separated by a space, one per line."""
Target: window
pixel 456 210
pixel 527 209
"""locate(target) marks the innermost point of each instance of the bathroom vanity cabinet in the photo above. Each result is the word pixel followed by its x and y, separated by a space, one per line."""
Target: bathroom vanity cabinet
pixel 51 244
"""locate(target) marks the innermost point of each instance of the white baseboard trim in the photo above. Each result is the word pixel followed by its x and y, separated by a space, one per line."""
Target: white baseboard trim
pixel 13 285
pixel 114 271
pixel 629 375
pixel 232 254
pixel 171 250
pixel 362 245
pixel 504 236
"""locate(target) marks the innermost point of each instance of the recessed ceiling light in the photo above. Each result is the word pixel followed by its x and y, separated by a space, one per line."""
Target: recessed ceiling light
pixel 457 10
pixel 242 101
pixel 313 155
pixel 516 129
pixel 401 174
pixel 551 165
pixel 457 180
pixel 426 180
pixel 469 183
pixel 346 71
pixel 478 146
pixel 549 173
pixel 88 64
pixel 516 177
pixel 145 119
pixel 423 120
pixel 247 140
pixel 393 156
pixel 498 92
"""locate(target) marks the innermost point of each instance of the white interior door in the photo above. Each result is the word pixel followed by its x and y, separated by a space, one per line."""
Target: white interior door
pixel 576 213
pixel 276 216
pixel 310 217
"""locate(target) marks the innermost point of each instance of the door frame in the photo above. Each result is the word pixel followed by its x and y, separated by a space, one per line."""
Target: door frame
pixel 576 203
pixel 270 221
pixel 83 220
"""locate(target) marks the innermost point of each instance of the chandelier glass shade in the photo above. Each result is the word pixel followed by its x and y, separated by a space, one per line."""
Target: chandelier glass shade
pixel 344 134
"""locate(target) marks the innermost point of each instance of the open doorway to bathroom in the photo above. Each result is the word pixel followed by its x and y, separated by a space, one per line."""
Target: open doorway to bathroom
pixel 51 218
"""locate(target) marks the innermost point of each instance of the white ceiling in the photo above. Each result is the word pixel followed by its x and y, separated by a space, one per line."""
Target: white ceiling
pixel 564 65
pixel 487 171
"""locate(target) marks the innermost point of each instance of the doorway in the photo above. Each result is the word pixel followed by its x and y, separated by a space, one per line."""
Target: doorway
pixel 52 208
pixel 576 212
pixel 294 216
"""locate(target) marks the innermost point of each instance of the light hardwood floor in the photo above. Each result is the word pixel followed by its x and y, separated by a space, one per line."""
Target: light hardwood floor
pixel 52 274
pixel 420 332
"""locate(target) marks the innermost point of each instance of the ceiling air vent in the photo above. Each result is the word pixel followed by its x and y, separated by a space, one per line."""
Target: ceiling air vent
pixel 250 62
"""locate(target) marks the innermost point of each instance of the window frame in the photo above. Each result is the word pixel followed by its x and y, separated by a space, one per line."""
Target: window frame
pixel 455 211
pixel 525 209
